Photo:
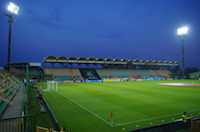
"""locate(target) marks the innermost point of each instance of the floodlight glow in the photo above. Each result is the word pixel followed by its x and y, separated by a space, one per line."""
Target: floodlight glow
pixel 182 31
pixel 179 31
pixel 13 8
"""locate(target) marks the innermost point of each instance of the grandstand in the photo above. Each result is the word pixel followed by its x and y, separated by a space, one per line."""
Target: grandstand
pixel 61 74
pixel 195 75
pixel 19 70
pixel 119 73
pixel 144 73
pixel 110 68
pixel 58 73
pixel 9 85
pixel 163 73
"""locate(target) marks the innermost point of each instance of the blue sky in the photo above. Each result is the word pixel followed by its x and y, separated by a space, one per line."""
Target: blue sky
pixel 132 29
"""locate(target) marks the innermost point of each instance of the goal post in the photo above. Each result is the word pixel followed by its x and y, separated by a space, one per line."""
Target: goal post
pixel 52 86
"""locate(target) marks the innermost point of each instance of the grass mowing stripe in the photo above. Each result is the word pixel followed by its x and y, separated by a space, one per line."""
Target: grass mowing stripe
pixel 186 88
pixel 143 92
pixel 160 117
pixel 134 104
pixel 143 99
pixel 86 109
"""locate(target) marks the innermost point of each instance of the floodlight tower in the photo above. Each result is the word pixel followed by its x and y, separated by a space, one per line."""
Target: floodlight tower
pixel 12 12
pixel 182 32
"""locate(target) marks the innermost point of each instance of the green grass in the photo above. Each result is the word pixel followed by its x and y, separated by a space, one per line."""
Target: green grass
pixel 87 106
pixel 42 119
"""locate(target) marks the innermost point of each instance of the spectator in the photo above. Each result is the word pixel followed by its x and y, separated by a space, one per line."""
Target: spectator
pixel 184 117
pixel 50 130
pixel 62 129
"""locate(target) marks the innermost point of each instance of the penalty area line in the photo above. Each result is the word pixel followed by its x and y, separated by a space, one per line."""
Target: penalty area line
pixel 91 112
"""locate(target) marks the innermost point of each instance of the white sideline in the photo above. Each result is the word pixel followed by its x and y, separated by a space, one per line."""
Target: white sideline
pixel 87 110
pixel 126 123
pixel 120 124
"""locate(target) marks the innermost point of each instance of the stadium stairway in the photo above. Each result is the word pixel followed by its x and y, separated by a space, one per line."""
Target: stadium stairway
pixel 154 74
pixel 90 74
pixel 14 107
pixel 134 74
pixel 106 74
pixel 77 74
pixel 73 76
pixel 100 73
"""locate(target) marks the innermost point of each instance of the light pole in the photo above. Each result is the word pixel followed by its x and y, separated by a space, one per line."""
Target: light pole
pixel 12 12
pixel 182 32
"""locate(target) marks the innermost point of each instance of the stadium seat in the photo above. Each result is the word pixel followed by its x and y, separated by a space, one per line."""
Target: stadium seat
pixel 62 74
pixel 115 73
pixel 8 86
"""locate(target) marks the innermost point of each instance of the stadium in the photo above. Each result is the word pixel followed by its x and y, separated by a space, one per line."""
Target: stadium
pixel 102 94
pixel 86 89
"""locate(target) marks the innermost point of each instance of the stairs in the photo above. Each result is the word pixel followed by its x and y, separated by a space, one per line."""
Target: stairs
pixel 134 74
pixel 106 74
pixel 73 76
pixel 89 74
pixel 155 75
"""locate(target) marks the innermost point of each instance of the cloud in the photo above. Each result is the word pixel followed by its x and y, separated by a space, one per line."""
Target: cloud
pixel 48 23
pixel 51 20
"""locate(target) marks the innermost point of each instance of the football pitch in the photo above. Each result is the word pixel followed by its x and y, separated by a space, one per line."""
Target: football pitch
pixel 90 106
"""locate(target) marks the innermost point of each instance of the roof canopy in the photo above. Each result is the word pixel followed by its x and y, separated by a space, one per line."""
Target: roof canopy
pixel 31 64
pixel 93 60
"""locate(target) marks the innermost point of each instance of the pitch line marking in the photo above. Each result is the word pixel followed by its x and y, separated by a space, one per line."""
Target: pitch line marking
pixel 126 123
pixel 87 110
pixel 120 124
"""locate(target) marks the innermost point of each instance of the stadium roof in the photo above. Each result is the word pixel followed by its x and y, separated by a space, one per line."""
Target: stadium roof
pixel 35 64
pixel 93 60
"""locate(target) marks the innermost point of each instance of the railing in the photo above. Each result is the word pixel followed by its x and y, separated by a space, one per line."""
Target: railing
pixel 18 124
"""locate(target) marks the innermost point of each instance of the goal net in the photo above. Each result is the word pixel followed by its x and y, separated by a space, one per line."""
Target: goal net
pixel 52 86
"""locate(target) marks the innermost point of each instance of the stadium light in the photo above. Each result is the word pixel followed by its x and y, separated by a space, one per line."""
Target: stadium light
pixel 12 12
pixel 13 8
pixel 182 32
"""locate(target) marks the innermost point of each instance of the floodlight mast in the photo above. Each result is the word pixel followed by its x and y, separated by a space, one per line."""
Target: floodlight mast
pixel 13 11
pixel 182 32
